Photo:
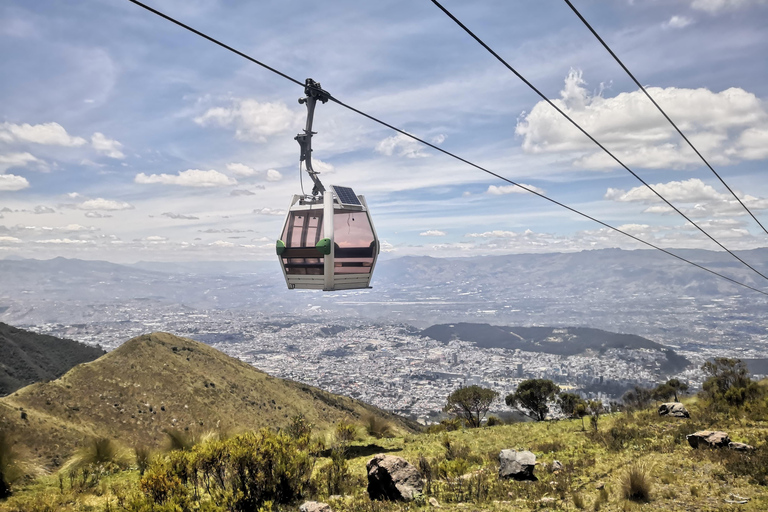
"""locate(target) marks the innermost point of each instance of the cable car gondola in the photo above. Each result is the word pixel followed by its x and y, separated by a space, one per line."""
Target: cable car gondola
pixel 328 241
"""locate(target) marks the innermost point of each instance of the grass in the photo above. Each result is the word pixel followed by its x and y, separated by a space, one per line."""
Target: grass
pixel 634 459
pixel 636 483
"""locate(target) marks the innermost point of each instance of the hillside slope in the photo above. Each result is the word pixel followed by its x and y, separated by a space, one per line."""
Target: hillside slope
pixel 551 340
pixel 29 357
pixel 157 382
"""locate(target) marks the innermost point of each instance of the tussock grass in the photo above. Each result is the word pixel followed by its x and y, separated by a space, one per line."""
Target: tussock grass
pixel 636 483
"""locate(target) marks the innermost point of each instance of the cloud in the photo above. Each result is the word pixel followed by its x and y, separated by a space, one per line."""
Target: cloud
pixel 63 241
pixel 221 243
pixel 242 170
pixel 241 192
pixel 269 211
pixel 97 215
pixel 253 120
pixel 9 240
pixel 171 215
pixel 40 209
pixel 726 126
pixel 155 239
pixel 707 200
pixel 493 234
pixel 109 147
pixel 51 134
pixel 401 145
pixel 274 175
pixel 714 6
pixel 511 189
pixel 678 22
pixel 433 232
pixel 12 183
pixel 188 178
pixel 17 160
pixel 104 205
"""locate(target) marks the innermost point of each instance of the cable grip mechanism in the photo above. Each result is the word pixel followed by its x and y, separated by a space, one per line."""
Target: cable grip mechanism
pixel 313 92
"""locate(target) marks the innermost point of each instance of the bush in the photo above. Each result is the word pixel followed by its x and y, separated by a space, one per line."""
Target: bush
pixel 378 427
pixel 345 432
pixel 179 440
pixel 9 470
pixel 143 456
pixel 493 421
pixel 636 483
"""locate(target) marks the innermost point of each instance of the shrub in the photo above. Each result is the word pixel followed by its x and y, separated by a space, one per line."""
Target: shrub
pixel 636 483
pixel 378 427
pixel 455 450
pixel 299 427
pixel 345 432
pixel 143 456
pixel 578 500
pixel 493 421
pixel 9 470
pixel 179 440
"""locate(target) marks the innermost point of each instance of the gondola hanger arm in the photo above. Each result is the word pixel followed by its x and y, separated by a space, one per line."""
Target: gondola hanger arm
pixel 314 92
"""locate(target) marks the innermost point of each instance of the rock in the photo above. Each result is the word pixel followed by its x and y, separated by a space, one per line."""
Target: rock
pixel 710 438
pixel 600 485
pixel 517 465
pixel 434 503
pixel 557 466
pixel 392 478
pixel 674 409
pixel 314 506
pixel 741 447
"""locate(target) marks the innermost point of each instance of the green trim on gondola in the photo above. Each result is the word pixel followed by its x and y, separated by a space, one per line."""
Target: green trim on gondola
pixel 324 246
pixel 280 247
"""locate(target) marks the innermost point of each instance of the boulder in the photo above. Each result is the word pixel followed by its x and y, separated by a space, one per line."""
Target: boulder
pixel 741 447
pixel 517 465
pixel 434 502
pixel 708 438
pixel 674 409
pixel 314 506
pixel 392 478
pixel 557 466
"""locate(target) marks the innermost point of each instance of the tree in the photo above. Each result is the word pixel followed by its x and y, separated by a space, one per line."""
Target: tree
pixel 679 387
pixel 533 395
pixel 663 392
pixel 637 398
pixel 596 409
pixel 471 403
pixel 568 403
pixel 729 381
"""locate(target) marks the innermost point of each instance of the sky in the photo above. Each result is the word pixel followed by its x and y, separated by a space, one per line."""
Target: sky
pixel 124 137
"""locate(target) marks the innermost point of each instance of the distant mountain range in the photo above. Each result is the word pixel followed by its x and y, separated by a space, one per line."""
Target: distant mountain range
pixel 160 382
pixel 27 357
pixel 552 340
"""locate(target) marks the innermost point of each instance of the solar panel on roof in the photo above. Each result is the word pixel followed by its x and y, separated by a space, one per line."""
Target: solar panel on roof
pixel 346 195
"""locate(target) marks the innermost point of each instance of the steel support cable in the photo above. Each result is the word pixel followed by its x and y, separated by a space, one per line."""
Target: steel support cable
pixel 582 130
pixel 452 155
pixel 616 58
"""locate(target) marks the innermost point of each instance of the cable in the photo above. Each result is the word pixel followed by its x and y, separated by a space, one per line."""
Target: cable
pixel 605 45
pixel 448 153
pixel 582 130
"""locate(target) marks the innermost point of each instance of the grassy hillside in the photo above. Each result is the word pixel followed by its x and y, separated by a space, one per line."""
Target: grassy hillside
pixel 29 357
pixel 160 382
pixel 462 467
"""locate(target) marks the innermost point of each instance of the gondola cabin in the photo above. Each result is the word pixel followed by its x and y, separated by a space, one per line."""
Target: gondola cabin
pixel 329 242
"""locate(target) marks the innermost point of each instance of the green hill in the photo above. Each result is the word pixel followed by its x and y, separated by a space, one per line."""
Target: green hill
pixel 29 357
pixel 157 382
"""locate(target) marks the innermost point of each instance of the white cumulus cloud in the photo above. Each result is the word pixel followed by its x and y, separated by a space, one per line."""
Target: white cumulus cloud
pixel 109 147
pixel 493 234
pixel 12 183
pixel 51 134
pixel 433 232
pixel 274 175
pixel 104 205
pixel 252 120
pixel 401 145
pixel 725 126
pixel 678 22
pixel 269 211
pixel 188 178
pixel 11 160
pixel 242 170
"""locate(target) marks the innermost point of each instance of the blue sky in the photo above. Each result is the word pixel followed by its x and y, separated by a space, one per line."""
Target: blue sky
pixel 124 137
